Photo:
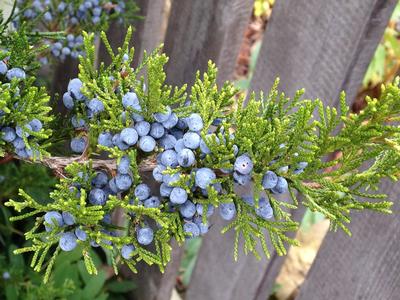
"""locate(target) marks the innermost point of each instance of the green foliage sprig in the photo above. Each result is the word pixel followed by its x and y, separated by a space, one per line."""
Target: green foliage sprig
pixel 20 100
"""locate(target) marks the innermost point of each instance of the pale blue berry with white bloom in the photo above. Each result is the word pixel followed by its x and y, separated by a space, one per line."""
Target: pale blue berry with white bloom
pixel 163 116
pixel 15 73
pixel 123 182
pixel 145 236
pixel 200 209
pixel 96 106
pixel 113 186
pixel 168 141
pixel 191 229
pixel 243 164
pixel 171 121
pixel 191 140
pixel 78 145
pixel 124 165
pixel 142 191
pixel 142 128
pixel 97 197
pixel 68 218
pixel 157 130
pixel 165 190
pixel 18 143
pixel 170 179
pixel 281 187
pixel 127 251
pixel 204 177
pixel 186 158
pixel 187 209
pixel 68 241
pixel 204 148
pixel 8 134
pixel 74 88
pixel 195 122
pixel 182 124
pixel 158 173
pixel 152 202
pixel 36 125
pixel 100 180
pixel 129 136
pixel 147 143
pixel 105 139
pixel 66 51
pixel 178 195
pixel 53 219
pixel 227 211
pixel 202 226
pixel 130 100
pixel 169 158
pixel 23 130
pixel 269 180
pixel 117 141
pixel 3 67
pixel 179 145
pixel 264 209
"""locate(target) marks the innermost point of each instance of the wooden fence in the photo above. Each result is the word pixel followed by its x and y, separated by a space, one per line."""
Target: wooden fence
pixel 324 46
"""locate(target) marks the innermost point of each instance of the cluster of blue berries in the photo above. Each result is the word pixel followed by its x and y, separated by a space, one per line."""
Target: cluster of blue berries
pixel 146 136
pixel 71 46
pixel 74 97
pixel 72 232
pixel 14 134
pixel 72 17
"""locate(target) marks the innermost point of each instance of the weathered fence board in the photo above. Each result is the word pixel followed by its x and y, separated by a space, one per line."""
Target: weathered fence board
pixel 148 34
pixel 365 266
pixel 324 46
pixel 203 30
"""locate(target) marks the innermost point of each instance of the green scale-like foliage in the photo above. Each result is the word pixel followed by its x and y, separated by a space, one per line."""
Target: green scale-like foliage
pixel 20 100
pixel 274 131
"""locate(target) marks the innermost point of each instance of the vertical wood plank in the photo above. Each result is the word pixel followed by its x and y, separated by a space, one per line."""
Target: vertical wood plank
pixel 149 30
pixel 324 46
pixel 202 30
pixel 365 266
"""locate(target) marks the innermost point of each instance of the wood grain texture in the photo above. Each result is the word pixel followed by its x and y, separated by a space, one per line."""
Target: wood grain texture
pixel 202 30
pixel 324 46
pixel 149 30
pixel 365 266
